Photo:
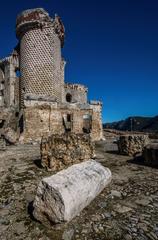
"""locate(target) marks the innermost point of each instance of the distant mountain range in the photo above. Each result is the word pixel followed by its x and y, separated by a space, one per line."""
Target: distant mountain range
pixel 143 124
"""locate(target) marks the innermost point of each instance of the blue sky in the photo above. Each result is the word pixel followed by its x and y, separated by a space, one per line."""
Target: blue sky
pixel 111 47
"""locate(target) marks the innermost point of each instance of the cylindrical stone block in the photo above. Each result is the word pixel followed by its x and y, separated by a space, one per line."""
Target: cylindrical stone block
pixel 62 196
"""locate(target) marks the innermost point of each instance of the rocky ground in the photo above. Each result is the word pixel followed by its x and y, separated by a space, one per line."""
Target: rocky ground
pixel 127 209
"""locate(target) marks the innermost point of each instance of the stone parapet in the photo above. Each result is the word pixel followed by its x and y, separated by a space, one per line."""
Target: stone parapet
pixel 74 86
pixel 95 102
pixel 31 18
pixel 38 18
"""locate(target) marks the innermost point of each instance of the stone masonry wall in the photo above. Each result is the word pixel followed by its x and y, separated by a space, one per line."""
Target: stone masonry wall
pixel 78 92
pixel 97 126
pixel 40 63
pixel 49 118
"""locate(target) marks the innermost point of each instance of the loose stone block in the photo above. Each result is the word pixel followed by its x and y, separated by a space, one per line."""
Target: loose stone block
pixel 62 196
pixel 150 154
pixel 10 135
pixel 60 151
pixel 132 144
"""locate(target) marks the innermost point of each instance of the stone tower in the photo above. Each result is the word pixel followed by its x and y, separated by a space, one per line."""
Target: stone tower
pixel 41 65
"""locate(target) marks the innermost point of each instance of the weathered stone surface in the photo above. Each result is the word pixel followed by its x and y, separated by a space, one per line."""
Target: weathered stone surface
pixel 10 135
pixel 60 151
pixel 62 196
pixel 150 154
pixel 132 144
pixel 49 117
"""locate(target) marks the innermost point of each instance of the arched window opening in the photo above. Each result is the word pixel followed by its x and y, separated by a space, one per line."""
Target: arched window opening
pixel 69 97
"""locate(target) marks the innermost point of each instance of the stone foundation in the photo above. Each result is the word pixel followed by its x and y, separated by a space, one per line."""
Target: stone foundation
pixel 51 118
pixel 132 144
pixel 61 151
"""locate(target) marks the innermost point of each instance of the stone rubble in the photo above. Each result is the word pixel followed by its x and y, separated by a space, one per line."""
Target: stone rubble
pixel 138 184
pixel 61 151
pixel 132 144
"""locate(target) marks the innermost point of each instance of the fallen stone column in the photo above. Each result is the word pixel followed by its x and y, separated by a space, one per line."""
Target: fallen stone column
pixel 62 196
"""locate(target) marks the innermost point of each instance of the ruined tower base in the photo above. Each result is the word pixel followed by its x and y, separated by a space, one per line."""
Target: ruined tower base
pixel 41 118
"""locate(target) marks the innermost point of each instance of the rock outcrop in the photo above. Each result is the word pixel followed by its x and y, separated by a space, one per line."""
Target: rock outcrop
pixel 61 151
pixel 132 144
pixel 63 195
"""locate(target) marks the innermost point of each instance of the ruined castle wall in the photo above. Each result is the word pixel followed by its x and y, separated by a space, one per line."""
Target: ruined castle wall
pixel 36 123
pixel 77 92
pixel 10 82
pixel 17 92
pixel 97 127
pixel 42 118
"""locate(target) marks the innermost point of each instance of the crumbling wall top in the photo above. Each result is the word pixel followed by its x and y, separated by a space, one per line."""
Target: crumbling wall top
pixel 93 102
pixel 76 87
pixel 38 18
pixel 13 58
pixel 31 18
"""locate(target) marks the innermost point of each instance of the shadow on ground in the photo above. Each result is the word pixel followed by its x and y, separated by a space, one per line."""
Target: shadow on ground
pixel 139 160
pixel 30 211
pixel 113 152
pixel 37 162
